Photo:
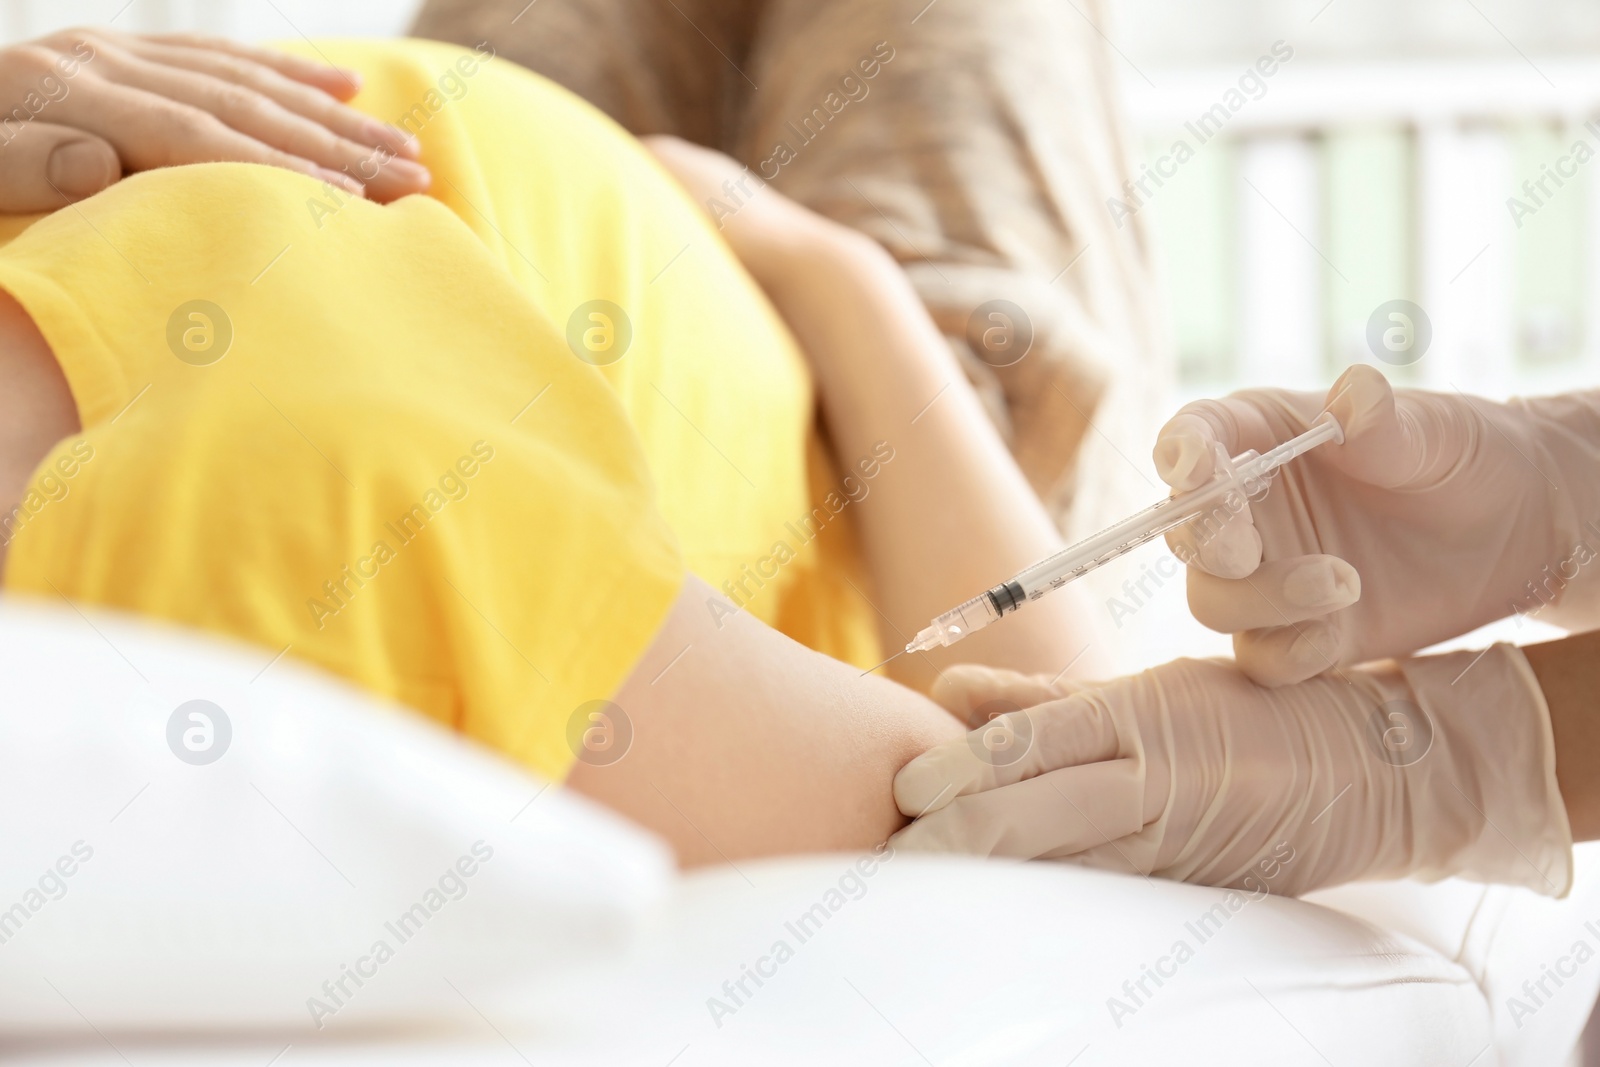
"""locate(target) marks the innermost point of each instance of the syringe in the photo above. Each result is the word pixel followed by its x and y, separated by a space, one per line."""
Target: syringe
pixel 1246 474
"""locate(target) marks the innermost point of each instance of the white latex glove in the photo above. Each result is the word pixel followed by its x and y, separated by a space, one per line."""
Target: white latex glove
pixel 1436 515
pixel 1191 771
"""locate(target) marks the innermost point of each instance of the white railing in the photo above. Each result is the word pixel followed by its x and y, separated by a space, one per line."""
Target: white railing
pixel 1461 134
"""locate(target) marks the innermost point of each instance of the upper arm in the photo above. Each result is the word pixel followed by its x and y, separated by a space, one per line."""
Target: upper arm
pixel 745 743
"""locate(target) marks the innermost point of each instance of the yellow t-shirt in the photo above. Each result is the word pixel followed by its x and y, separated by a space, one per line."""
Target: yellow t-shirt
pixel 457 449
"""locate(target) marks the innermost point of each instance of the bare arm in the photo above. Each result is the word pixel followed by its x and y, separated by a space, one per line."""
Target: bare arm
pixel 36 409
pixel 747 744
pixel 954 515
pixel 1569 673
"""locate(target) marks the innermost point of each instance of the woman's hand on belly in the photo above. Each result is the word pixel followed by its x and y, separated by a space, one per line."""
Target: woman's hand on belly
pixel 83 107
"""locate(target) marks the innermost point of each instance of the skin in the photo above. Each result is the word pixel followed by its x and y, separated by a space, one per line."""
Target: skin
pixel 1569 674
pixel 954 515
pixel 753 745
pixel 749 744
pixel 821 749
pixel 746 743
pixel 36 407
pixel 88 106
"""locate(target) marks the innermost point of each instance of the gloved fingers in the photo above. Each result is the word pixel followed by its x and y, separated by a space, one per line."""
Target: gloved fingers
pixel 1066 810
pixel 1277 593
pixel 1284 655
pixel 1410 440
pixel 1009 748
pixel 1407 440
pixel 975 694
pixel 1184 453
pixel 1133 854
pixel 1223 541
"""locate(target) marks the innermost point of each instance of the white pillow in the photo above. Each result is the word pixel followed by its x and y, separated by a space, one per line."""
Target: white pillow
pixel 336 862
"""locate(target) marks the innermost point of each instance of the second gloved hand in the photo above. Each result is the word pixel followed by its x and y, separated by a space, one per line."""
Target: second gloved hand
pixel 1191 771
pixel 1437 514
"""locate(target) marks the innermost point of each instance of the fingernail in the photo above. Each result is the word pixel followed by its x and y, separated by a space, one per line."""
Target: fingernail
pixel 81 168
pixel 342 180
pixel 1319 585
pixel 409 173
pixel 923 785
pixel 1357 397
pixel 397 139
pixel 1176 458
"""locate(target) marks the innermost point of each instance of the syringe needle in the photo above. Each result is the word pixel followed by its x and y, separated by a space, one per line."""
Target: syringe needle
pixel 896 656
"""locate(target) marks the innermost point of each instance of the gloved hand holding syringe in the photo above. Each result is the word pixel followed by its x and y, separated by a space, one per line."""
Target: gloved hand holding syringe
pixel 1246 474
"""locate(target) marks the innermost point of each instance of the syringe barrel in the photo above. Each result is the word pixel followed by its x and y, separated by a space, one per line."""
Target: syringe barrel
pixel 974 614
pixel 1247 474
pixel 1139 528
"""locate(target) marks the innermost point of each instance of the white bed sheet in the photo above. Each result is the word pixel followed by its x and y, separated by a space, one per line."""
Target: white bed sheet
pixel 938 961
pixel 944 961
